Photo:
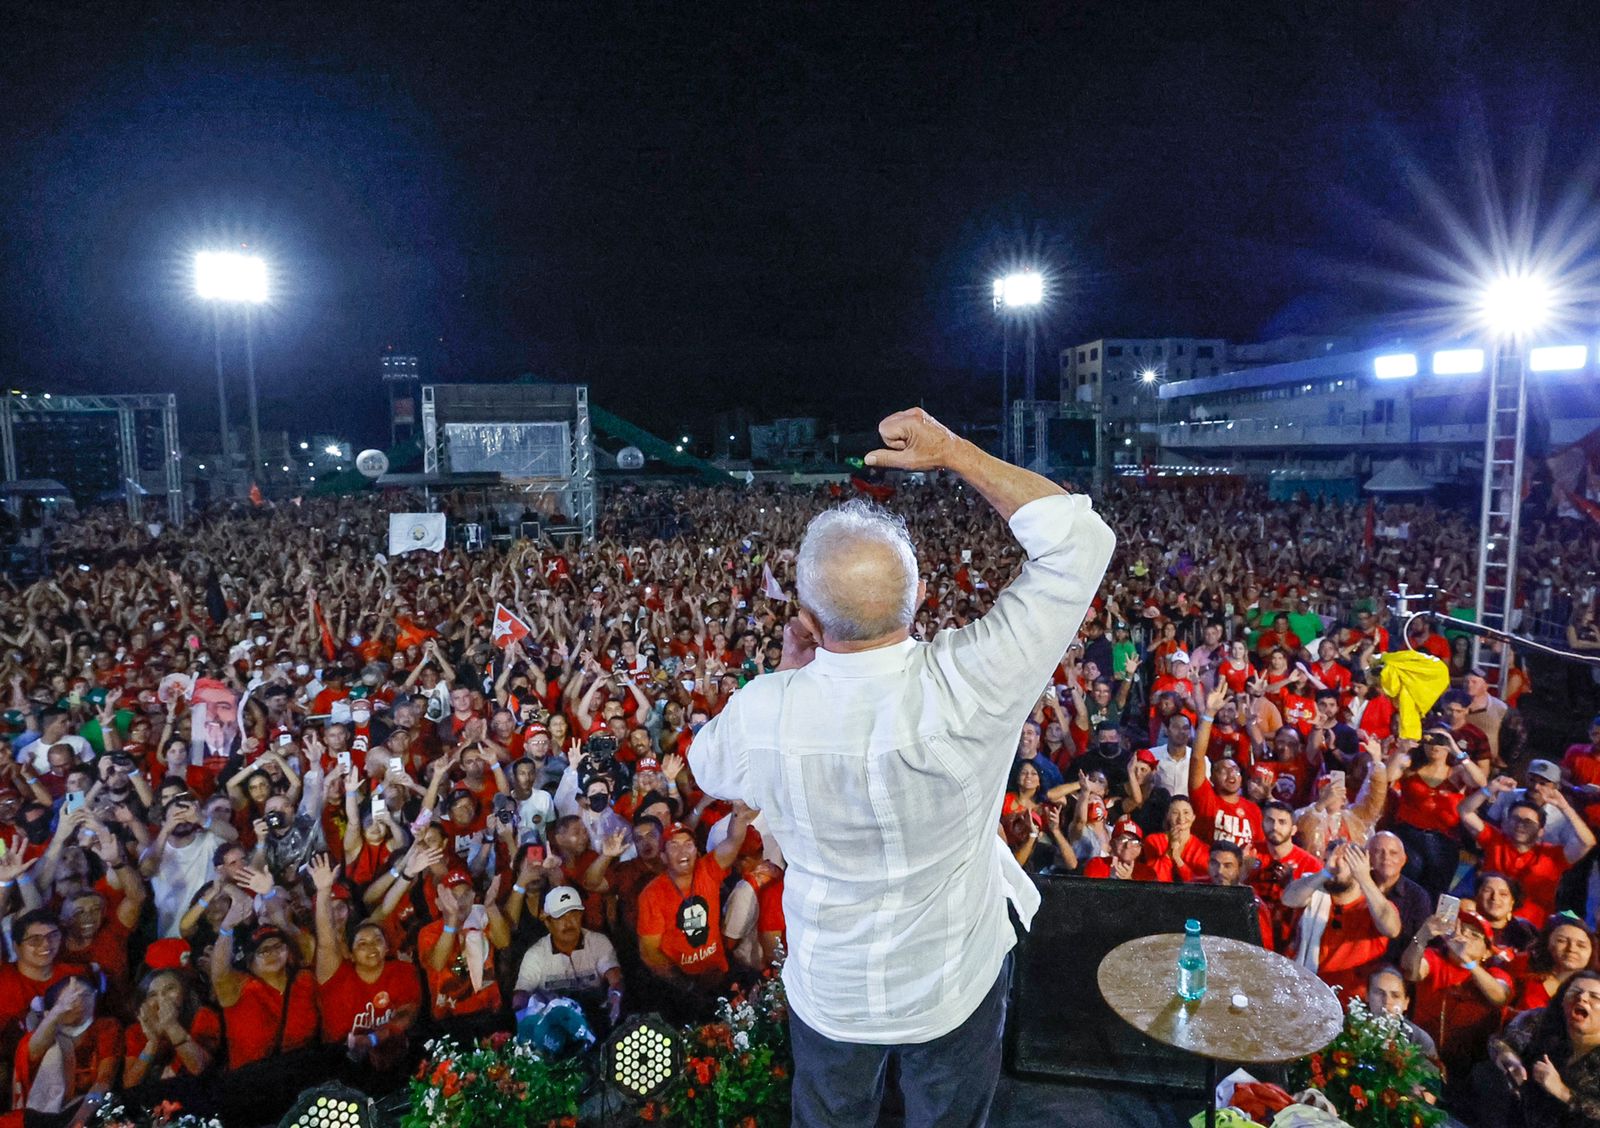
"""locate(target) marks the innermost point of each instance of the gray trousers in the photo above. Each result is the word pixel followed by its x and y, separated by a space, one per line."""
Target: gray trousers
pixel 946 1083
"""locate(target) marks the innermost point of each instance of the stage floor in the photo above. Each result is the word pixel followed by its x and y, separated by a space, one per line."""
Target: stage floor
pixel 1018 1103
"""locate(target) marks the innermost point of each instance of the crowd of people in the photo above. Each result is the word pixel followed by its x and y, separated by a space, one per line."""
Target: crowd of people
pixel 274 805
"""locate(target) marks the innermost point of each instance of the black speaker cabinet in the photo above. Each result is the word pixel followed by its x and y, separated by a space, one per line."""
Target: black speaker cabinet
pixel 1058 1027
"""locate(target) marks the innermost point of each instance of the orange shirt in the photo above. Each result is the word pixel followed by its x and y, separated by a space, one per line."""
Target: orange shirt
pixel 688 926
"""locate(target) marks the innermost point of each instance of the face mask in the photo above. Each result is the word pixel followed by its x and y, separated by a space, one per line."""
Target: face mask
pixel 688 685
pixel 360 718
pixel 599 801
pixel 1108 748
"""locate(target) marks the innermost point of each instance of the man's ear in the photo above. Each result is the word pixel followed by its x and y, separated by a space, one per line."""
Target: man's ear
pixel 811 622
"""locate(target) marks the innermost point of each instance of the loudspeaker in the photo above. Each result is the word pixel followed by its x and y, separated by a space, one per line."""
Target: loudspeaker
pixel 1058 1028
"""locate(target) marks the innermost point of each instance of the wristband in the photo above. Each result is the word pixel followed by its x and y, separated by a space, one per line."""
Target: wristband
pixel 373 1038
pixel 23 878
pixel 228 932
pixel 147 1057
pixel 1205 720
pixel 270 894
pixel 7 884
pixel 1471 965
pixel 450 930
pixel 520 889
pixel 202 903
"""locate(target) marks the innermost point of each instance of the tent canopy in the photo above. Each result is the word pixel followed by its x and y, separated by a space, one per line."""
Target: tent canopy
pixel 1398 476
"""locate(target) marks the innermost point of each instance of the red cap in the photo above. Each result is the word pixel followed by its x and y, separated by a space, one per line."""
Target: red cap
pixel 167 955
pixel 649 764
pixel 1127 827
pixel 1264 773
pixel 456 877
pixel 533 728
pixel 674 830
pixel 1145 756
pixel 1475 921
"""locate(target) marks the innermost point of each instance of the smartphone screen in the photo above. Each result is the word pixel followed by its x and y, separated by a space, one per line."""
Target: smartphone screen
pixel 536 853
pixel 1449 908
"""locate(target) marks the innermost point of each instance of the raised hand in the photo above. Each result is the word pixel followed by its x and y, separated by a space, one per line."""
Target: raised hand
pixel 323 872
pixel 914 440
pixel 672 765
pixel 258 881
pixel 615 845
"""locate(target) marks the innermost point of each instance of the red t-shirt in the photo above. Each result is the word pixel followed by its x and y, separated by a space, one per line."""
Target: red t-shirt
pixel 1237 677
pixel 1351 945
pixel 1377 717
pixel 1269 879
pixel 1582 764
pixel 1298 712
pixel 351 1005
pixel 450 992
pixel 17 993
pixel 1101 868
pixel 1193 860
pixel 1334 676
pixel 1539 869
pixel 689 926
pixel 1233 820
pixel 1450 1007
pixel 1428 808
pixel 206 1029
pixel 253 1022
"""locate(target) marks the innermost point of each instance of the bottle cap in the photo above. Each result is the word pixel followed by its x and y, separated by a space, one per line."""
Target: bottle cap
pixel 1191 925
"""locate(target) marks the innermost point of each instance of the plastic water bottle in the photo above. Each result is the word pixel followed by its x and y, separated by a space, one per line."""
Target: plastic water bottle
pixel 1191 964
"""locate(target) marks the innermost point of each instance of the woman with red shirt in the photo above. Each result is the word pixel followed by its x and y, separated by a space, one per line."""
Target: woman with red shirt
pixel 1431 782
pixel 369 1002
pixel 67 1064
pixel 175 1039
pixel 1236 669
pixel 270 1008
pixel 1564 948
pixel 1175 854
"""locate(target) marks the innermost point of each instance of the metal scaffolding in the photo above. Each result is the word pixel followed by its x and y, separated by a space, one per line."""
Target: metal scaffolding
pixel 1504 443
pixel 16 409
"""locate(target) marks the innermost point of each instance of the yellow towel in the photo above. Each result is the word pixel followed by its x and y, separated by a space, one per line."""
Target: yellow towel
pixel 1414 680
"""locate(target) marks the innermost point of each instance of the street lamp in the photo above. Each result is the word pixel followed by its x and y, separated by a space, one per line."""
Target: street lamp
pixel 1017 294
pixel 237 279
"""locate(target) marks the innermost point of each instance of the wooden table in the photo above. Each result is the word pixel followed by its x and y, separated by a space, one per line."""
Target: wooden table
pixel 1287 1011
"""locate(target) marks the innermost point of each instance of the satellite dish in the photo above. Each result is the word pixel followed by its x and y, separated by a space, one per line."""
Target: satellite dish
pixel 372 463
pixel 630 458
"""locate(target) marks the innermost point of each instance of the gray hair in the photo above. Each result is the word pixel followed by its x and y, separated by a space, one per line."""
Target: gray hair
pixel 853 607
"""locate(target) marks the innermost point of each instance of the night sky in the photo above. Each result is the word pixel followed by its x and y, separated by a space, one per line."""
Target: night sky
pixel 692 206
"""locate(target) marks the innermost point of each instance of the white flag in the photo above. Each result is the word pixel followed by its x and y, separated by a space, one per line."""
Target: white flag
pixel 770 586
pixel 412 532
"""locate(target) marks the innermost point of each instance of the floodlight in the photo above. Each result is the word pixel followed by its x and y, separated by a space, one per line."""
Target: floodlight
pixel 1516 304
pixel 1457 362
pixel 1394 366
pixel 1018 291
pixel 331 1106
pixel 305 446
pixel 1148 375
pixel 642 1057
pixel 333 450
pixel 1558 358
pixel 223 276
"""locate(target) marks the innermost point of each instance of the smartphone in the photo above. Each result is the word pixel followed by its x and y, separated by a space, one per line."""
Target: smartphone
pixel 535 852
pixel 285 739
pixel 1449 909
pixel 1336 777
pixel 396 767
pixel 966 556
pixel 83 567
pixel 74 802
pixel 421 822
pixel 344 760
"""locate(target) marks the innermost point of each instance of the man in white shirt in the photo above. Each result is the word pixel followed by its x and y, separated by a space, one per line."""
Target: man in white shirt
pixel 179 863
pixel 571 960
pixel 1172 758
pixel 899 934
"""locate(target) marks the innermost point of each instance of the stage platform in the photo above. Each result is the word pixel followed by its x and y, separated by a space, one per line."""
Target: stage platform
pixel 1019 1103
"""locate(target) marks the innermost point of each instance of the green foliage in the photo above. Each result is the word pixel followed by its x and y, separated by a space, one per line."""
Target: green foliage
pixel 1374 1074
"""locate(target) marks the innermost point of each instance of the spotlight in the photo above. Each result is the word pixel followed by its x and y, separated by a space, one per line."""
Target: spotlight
pixel 643 1057
pixel 1394 366
pixel 1558 358
pixel 1457 362
pixel 1516 304
pixel 1016 291
pixel 331 1106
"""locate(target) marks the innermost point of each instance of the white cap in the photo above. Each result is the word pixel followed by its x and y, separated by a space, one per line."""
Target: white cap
pixel 562 900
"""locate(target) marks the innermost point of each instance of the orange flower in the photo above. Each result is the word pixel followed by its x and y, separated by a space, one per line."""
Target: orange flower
pixel 1359 1095
pixel 1390 1098
pixel 779 1071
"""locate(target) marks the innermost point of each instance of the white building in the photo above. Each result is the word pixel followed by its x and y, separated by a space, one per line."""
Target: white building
pixel 1123 375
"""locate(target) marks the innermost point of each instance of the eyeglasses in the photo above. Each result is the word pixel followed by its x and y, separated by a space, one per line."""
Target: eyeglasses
pixel 41 938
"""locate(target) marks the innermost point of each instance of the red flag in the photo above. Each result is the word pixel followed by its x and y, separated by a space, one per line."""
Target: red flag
pixel 255 496
pixel 507 627
pixel 328 648
pixel 877 491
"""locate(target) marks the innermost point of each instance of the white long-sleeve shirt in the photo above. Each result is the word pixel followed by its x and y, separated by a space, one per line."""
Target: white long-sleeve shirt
pixel 882 772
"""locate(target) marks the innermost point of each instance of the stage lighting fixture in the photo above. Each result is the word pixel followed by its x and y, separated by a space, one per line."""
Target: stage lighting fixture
pixel 1394 366
pixel 1457 362
pixel 1516 304
pixel 227 277
pixel 1017 291
pixel 1558 358
pixel 331 1106
pixel 643 1057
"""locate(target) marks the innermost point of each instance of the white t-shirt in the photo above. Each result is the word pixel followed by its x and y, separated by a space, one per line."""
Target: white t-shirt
pixel 38 753
pixel 1170 773
pixel 183 872
pixel 534 816
pixel 545 969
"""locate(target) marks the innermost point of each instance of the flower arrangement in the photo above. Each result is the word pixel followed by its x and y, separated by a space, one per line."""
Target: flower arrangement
pixel 496 1082
pixel 738 1068
pixel 167 1114
pixel 1373 1073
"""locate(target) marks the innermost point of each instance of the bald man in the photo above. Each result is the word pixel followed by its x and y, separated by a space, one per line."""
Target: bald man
pixel 880 763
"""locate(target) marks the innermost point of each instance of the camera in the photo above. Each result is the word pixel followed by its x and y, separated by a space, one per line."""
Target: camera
pixel 601 746
pixel 277 820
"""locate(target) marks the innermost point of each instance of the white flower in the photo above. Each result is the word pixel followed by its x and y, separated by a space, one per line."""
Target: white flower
pixel 741 1041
